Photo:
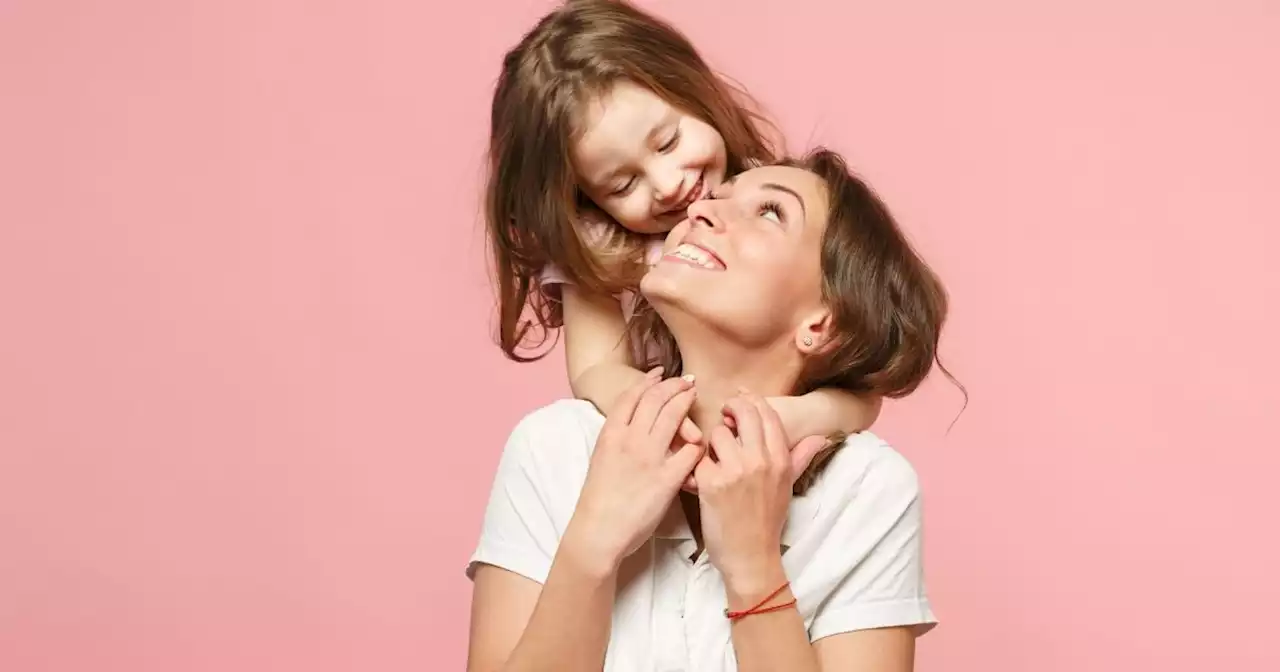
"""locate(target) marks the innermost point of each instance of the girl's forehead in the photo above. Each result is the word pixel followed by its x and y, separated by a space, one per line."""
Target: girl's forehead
pixel 626 104
pixel 619 124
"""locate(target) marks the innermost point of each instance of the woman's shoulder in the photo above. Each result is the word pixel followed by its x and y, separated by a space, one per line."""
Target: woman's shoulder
pixel 562 415
pixel 557 435
pixel 865 462
pixel 857 557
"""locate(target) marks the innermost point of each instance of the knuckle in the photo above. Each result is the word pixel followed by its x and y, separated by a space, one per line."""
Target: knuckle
pixel 659 393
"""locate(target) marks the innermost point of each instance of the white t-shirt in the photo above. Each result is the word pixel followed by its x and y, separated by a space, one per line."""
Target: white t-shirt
pixel 852 547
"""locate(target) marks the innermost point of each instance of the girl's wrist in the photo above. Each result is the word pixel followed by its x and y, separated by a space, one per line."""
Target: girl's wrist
pixel 799 415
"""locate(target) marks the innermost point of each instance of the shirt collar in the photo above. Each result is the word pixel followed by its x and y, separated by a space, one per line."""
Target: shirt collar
pixel 800 514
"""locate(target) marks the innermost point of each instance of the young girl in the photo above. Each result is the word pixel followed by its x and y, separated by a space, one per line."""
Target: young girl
pixel 606 124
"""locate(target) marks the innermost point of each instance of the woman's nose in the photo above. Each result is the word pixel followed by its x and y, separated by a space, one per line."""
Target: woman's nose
pixel 705 214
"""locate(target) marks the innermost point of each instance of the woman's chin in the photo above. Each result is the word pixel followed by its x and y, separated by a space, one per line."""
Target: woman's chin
pixel 655 285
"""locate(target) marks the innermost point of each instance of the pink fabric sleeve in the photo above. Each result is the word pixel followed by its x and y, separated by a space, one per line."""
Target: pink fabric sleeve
pixel 594 232
pixel 552 275
pixel 653 253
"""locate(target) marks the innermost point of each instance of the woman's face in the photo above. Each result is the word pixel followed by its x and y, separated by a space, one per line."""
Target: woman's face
pixel 643 161
pixel 747 261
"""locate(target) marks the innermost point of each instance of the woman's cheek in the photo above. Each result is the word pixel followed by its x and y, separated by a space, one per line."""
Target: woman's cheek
pixel 756 254
pixel 674 237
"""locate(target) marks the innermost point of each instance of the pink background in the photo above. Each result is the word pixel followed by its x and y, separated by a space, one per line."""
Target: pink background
pixel 249 408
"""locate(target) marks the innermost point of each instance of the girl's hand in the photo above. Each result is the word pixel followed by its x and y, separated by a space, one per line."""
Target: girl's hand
pixel 634 475
pixel 689 433
pixel 745 491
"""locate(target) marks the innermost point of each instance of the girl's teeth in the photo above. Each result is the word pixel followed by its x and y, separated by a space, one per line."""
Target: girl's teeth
pixel 693 195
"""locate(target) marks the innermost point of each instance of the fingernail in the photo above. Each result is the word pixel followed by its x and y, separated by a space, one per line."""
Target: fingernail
pixel 654 372
pixel 688 377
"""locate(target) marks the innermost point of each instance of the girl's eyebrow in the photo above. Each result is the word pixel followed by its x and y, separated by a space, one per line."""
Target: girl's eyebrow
pixel 649 138
pixel 667 120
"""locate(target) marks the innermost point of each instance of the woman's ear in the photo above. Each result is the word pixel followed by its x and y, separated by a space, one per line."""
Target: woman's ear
pixel 814 333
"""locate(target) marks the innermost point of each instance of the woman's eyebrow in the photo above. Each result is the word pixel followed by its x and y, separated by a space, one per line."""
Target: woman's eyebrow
pixel 724 188
pixel 787 190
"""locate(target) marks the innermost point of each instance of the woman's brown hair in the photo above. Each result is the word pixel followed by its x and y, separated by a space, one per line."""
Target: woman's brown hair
pixel 887 306
pixel 532 202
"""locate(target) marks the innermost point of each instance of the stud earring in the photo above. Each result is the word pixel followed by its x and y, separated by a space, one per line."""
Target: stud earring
pixel 808 341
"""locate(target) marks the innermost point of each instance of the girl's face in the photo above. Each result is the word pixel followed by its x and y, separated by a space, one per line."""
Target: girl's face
pixel 643 161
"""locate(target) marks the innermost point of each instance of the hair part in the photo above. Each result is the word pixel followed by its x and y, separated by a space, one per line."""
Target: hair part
pixel 534 206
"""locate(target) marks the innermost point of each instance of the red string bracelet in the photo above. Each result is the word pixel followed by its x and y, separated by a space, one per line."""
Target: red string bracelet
pixel 760 608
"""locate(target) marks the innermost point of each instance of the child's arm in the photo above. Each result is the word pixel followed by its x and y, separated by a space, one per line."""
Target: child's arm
pixel 595 347
pixel 825 411
pixel 596 352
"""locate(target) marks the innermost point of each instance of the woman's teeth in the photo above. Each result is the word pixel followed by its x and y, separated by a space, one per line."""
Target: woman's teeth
pixel 696 256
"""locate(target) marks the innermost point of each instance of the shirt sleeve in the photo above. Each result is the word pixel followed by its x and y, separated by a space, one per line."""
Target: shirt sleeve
pixel 552 275
pixel 594 232
pixel 519 531
pixel 873 556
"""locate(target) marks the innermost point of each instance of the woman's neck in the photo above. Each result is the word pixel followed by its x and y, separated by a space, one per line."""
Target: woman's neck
pixel 721 373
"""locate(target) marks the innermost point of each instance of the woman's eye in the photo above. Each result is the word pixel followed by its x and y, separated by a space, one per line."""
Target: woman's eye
pixel 772 212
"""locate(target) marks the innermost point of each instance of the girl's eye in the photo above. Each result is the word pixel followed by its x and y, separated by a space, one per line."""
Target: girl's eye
pixel 670 144
pixel 772 211
pixel 624 189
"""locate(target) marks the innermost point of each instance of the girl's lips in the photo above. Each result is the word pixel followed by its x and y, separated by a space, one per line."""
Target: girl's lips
pixel 694 194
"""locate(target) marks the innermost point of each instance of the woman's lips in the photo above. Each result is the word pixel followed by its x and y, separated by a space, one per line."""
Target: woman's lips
pixel 695 255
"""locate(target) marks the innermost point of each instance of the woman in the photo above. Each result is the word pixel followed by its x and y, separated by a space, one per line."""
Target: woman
pixel 790 277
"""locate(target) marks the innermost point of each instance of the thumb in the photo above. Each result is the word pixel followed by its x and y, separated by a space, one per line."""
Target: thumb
pixel 804 452
pixel 680 464
pixel 689 432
